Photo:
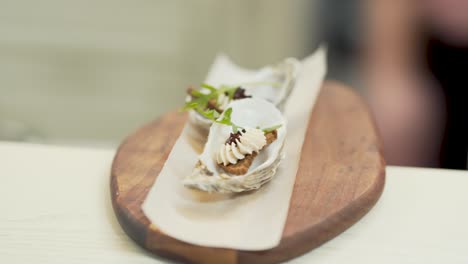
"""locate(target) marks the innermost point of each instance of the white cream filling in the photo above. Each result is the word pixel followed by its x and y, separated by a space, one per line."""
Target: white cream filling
pixel 252 140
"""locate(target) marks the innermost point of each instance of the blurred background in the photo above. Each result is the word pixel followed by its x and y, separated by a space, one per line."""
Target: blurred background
pixel 88 73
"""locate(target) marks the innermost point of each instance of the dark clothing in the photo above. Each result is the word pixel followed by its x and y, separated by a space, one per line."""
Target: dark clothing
pixel 449 66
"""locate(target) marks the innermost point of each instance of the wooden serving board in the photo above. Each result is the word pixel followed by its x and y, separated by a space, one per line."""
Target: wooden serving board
pixel 341 176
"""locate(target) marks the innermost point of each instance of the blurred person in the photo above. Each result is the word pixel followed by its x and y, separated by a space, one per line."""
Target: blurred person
pixel 416 56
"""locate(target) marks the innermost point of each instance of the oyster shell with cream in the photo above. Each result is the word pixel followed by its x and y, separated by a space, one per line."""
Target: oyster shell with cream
pixel 236 161
pixel 271 83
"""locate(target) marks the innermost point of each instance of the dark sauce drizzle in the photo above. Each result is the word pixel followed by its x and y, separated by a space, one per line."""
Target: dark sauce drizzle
pixel 234 137
pixel 240 94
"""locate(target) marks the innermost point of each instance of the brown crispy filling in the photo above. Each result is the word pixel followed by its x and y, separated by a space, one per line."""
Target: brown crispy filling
pixel 242 166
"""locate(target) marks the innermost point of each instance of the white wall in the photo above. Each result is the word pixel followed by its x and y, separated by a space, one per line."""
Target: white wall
pixel 90 71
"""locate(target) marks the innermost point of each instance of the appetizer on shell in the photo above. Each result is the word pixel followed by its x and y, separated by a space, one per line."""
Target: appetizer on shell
pixel 243 150
pixel 272 83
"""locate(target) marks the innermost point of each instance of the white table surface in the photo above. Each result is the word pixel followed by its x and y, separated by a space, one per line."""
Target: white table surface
pixel 55 208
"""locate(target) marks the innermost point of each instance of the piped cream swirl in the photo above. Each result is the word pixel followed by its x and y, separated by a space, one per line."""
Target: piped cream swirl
pixel 252 140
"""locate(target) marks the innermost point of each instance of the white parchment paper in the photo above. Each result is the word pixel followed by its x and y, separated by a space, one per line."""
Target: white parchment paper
pixel 249 221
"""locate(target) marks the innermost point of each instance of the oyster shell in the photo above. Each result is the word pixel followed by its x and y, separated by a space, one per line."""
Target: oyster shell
pixel 247 113
pixel 272 83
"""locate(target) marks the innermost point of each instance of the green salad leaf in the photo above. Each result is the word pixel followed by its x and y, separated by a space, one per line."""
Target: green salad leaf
pixel 200 103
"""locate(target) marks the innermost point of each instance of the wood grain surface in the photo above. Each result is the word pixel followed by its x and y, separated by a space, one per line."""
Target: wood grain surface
pixel 340 177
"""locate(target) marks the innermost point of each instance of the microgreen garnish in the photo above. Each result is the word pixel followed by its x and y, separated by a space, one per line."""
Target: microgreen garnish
pixel 209 99
pixel 202 103
pixel 226 120
pixel 209 87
